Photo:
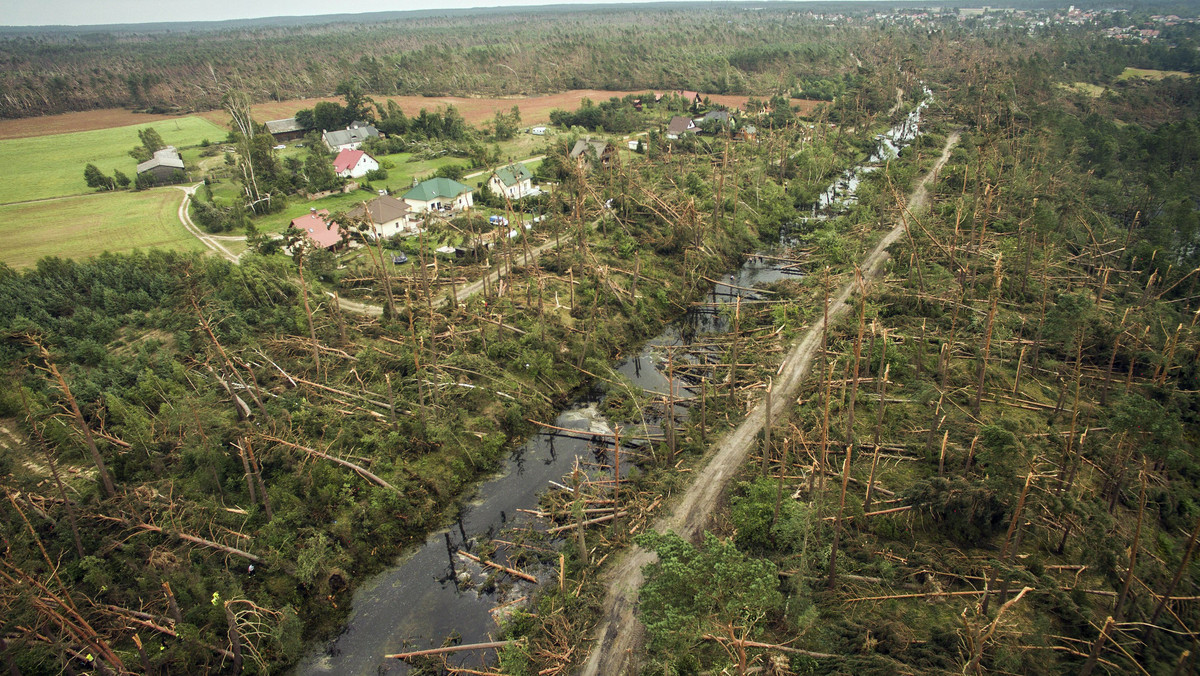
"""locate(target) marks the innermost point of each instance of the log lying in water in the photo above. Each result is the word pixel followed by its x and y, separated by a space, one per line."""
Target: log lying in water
pixel 447 649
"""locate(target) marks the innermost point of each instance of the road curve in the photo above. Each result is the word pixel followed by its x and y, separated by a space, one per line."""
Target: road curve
pixel 205 239
pixel 620 632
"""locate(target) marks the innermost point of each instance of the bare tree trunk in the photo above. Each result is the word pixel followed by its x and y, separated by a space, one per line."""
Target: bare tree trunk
pixel 1094 655
pixel 1013 525
pixel 1133 551
pixel 106 481
pixel 837 529
pixel 987 340
pixel 1162 602
pixel 312 329
pixel 235 639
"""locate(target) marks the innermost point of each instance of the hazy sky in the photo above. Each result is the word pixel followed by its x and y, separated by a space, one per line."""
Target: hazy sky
pixel 89 12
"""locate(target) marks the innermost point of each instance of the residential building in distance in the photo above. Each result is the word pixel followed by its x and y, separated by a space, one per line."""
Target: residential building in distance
pixel 322 232
pixel 387 214
pixel 514 181
pixel 351 137
pixel 438 195
pixel 354 164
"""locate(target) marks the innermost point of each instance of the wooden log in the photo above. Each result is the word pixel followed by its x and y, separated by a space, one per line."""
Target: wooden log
pixel 609 517
pixel 345 463
pixel 448 649
pixel 492 564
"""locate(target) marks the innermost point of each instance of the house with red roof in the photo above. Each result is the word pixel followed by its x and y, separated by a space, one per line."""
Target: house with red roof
pixel 353 164
pixel 322 232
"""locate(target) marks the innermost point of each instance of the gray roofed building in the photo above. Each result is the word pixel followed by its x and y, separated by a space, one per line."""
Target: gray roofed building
pixel 351 138
pixel 285 129
pixel 580 151
pixel 163 165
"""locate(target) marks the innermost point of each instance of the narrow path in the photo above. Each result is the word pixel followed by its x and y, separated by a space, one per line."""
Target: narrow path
pixel 619 634
pixel 206 239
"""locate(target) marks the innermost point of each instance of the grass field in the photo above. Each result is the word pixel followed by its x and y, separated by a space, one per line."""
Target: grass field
pixel 52 166
pixel 1147 74
pixel 82 227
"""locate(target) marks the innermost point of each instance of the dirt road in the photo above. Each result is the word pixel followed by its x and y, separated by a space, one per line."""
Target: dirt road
pixel 206 239
pixel 619 634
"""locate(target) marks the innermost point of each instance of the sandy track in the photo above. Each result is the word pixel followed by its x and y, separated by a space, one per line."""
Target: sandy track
pixel 207 240
pixel 620 632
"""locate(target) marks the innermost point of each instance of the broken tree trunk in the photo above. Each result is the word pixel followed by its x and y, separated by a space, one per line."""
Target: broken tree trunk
pixel 363 472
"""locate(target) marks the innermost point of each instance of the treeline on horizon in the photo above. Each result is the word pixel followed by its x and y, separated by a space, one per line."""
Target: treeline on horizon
pixel 730 50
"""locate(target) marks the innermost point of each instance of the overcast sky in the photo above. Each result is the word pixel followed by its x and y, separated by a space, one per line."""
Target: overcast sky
pixel 92 12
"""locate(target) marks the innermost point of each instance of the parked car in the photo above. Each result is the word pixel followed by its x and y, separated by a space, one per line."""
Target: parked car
pixel 280 147
pixel 400 258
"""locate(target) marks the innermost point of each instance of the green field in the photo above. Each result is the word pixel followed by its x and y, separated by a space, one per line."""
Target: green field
pixel 81 227
pixel 1147 74
pixel 52 166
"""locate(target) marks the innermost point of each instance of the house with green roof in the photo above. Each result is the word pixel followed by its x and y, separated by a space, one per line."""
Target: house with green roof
pixel 438 195
pixel 514 181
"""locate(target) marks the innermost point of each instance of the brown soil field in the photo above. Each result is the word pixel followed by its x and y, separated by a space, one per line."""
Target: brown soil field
pixel 534 110
pixel 64 123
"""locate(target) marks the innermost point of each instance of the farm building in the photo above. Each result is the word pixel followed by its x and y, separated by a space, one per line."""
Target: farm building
pixel 438 194
pixel 386 213
pixel 514 181
pixel 285 130
pixel 354 164
pixel 163 166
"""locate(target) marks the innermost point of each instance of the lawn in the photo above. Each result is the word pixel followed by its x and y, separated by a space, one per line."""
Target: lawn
pixel 82 227
pixel 52 166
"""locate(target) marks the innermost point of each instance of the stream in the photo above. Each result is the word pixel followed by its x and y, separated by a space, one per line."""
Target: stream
pixel 432 593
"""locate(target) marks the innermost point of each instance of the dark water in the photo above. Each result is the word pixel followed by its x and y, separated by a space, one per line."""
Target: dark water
pixel 433 593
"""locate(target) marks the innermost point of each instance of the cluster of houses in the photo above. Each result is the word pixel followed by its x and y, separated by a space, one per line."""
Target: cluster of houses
pixel 390 216
pixel 716 121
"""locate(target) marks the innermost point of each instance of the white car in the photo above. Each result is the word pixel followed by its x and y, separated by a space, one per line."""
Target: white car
pixel 280 147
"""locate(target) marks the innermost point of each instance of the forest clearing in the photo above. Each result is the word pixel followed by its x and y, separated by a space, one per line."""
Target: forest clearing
pixel 904 382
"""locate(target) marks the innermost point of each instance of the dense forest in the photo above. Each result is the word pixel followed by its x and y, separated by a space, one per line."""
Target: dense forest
pixel 992 467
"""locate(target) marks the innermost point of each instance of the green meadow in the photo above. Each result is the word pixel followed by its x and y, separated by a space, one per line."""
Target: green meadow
pixel 41 167
pixel 85 226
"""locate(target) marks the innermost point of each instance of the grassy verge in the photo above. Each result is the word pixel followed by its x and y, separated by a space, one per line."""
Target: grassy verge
pixel 82 227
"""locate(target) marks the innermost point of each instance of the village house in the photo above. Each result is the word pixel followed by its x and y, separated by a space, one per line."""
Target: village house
pixel 583 150
pixel 354 164
pixel 438 194
pixel 285 130
pixel 314 225
pixel 351 137
pixel 514 181
pixel 162 166
pixel 679 126
pixel 387 214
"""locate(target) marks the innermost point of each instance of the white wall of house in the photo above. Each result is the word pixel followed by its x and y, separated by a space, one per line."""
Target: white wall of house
pixel 366 164
pixel 512 192
pixel 460 203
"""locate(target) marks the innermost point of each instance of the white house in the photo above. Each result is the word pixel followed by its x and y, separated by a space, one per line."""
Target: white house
pixel 351 137
pixel 438 194
pixel 354 164
pixel 514 181
pixel 387 214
